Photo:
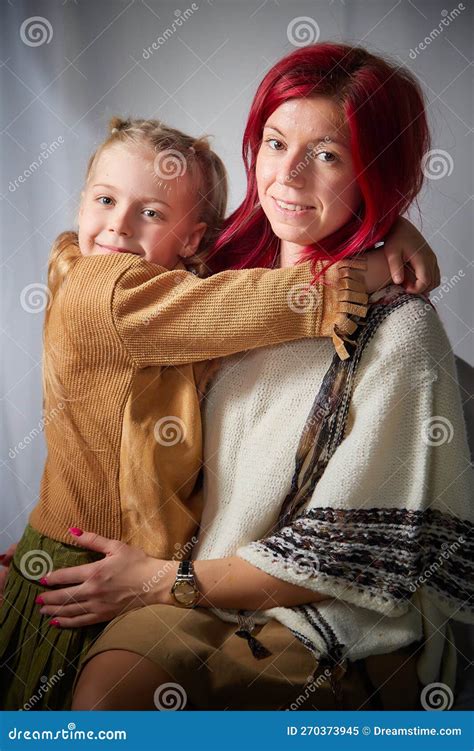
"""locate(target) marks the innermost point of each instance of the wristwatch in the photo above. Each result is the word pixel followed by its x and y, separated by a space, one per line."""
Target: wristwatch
pixel 184 590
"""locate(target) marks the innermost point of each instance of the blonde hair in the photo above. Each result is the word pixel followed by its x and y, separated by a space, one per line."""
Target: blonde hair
pixel 182 152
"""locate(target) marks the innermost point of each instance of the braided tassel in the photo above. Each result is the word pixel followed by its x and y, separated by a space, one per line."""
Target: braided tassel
pixel 246 627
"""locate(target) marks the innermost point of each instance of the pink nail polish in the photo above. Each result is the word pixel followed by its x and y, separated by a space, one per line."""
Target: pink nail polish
pixel 75 531
pixel 43 582
pixel 39 600
pixel 54 622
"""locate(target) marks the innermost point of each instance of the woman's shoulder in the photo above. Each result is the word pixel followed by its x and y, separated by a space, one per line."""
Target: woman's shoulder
pixel 412 330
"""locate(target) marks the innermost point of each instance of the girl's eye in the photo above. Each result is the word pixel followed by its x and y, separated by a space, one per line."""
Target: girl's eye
pixel 154 214
pixel 274 141
pixel 324 154
pixel 106 198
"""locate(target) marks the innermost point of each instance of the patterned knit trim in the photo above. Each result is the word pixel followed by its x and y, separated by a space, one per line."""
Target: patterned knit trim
pixel 376 556
pixel 324 428
pixel 383 553
pixel 334 648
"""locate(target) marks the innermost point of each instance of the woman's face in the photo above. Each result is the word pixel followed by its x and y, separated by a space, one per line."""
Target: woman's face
pixel 305 175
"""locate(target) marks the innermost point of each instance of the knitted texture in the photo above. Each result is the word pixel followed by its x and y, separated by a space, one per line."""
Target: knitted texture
pixel 124 435
pixel 386 528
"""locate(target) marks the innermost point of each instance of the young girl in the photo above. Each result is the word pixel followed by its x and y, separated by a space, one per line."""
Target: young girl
pixel 126 334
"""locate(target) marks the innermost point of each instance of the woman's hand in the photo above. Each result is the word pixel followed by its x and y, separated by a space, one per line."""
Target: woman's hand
pixel 125 579
pixel 410 259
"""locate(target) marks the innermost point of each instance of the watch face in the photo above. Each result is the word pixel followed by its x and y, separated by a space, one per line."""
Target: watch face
pixel 184 593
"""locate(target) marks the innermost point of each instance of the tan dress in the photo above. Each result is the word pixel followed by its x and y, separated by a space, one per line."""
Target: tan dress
pixel 216 670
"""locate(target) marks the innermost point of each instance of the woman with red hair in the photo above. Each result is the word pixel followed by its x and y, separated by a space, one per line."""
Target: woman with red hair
pixel 333 544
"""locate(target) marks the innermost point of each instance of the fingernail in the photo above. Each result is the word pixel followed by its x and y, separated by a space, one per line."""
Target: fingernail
pixel 54 622
pixel 43 582
pixel 39 600
pixel 75 531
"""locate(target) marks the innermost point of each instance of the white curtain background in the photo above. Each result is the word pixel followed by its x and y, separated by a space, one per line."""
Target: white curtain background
pixel 67 66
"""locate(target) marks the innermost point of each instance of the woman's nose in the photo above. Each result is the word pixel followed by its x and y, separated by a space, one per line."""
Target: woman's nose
pixel 290 172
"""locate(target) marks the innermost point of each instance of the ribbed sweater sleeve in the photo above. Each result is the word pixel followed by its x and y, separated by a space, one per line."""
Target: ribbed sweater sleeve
pixel 172 317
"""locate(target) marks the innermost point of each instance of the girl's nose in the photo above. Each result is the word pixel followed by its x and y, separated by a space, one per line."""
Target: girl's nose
pixel 120 223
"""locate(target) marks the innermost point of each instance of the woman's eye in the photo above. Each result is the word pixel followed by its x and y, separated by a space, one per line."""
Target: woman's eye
pixel 274 141
pixel 104 198
pixel 326 154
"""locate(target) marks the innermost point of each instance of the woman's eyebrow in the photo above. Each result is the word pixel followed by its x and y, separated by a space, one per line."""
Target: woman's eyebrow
pixel 317 140
pixel 146 199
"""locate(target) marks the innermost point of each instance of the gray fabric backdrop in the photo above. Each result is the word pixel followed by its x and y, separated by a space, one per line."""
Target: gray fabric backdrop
pixel 63 75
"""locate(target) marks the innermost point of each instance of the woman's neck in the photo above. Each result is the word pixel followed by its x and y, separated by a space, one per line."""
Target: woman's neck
pixel 290 253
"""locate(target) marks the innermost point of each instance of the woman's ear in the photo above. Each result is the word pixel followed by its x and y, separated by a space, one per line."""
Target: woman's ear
pixel 193 240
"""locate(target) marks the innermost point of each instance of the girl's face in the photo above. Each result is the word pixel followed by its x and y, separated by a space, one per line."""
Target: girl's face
pixel 126 208
pixel 305 176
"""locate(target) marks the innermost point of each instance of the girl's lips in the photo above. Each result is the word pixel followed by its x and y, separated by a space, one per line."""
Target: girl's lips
pixel 290 212
pixel 114 249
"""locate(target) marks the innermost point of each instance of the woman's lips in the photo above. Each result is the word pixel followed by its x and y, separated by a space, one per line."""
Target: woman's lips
pixel 300 211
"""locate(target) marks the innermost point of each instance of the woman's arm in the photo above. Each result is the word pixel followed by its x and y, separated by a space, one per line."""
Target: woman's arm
pixel 233 583
pixel 127 578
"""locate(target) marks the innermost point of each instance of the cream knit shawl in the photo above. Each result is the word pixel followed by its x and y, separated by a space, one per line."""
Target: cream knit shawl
pixel 384 527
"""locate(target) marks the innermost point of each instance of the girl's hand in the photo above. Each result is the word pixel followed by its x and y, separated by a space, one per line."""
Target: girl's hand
pixel 410 259
pixel 5 560
pixel 125 579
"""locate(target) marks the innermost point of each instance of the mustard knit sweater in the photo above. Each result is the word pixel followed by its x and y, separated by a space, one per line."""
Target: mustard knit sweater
pixel 128 339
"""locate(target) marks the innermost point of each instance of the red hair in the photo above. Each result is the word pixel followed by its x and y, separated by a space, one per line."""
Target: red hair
pixel 384 108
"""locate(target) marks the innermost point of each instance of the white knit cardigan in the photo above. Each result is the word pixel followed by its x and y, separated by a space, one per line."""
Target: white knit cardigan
pixel 399 481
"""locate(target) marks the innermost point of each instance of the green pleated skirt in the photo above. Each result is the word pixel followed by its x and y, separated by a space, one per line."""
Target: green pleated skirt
pixel 38 662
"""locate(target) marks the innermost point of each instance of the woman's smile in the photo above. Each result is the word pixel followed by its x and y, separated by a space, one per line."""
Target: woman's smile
pixel 292 210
